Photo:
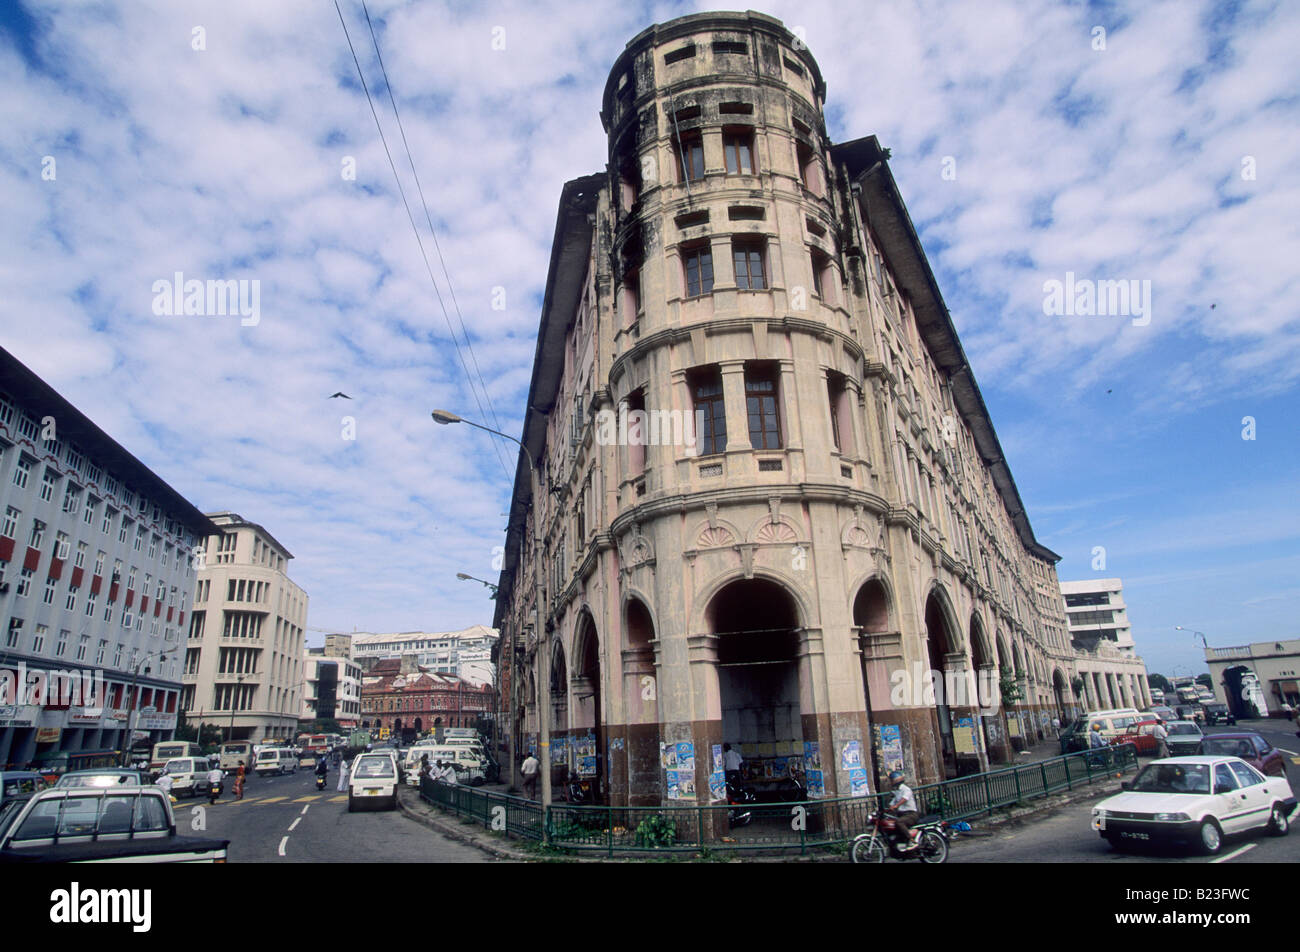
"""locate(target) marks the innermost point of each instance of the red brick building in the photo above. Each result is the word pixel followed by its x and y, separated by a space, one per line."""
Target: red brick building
pixel 409 699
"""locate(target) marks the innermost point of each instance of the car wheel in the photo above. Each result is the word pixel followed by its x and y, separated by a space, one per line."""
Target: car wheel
pixel 1211 838
pixel 1278 824
pixel 352 806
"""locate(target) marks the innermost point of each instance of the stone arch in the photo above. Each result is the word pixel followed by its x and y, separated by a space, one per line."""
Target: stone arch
pixel 873 605
pixel 807 617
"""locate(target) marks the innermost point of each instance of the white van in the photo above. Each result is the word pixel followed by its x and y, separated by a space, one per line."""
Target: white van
pixel 189 776
pixel 232 752
pixel 470 766
pixel 275 760
pixel 373 781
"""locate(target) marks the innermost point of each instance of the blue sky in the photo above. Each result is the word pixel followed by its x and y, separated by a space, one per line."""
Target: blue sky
pixel 1122 162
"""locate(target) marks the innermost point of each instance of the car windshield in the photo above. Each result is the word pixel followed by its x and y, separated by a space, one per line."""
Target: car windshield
pixel 1173 778
pixel 374 767
pixel 1183 729
pixel 1230 747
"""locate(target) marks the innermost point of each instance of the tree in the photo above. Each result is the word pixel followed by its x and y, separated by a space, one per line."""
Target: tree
pixel 1206 680
pixel 1159 681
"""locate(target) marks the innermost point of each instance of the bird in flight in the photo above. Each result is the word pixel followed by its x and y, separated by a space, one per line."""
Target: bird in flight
pixel 339 393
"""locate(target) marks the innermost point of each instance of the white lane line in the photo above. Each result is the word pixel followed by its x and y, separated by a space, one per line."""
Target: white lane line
pixel 305 809
pixel 282 844
pixel 1234 853
pixel 294 823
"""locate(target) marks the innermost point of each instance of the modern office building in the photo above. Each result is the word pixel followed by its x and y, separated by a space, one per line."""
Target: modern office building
pixel 244 657
pixel 1106 659
pixel 95 577
pixel 768 498
pixel 332 688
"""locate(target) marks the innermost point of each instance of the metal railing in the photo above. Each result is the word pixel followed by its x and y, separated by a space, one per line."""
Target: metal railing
pixel 775 827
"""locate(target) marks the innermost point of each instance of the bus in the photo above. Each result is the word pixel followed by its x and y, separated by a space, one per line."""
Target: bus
pixel 169 750
pixel 233 751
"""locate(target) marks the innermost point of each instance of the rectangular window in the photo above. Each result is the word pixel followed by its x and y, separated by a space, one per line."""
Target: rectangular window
pixel 153 547
pixel 71 603
pixel 760 402
pixel 835 392
pixel 10 530
pixel 21 471
pixel 15 636
pixel 24 583
pixel 139 538
pixel 82 645
pixel 37 535
pixel 710 410
pixel 48 481
pixel 125 529
pixel 88 517
pixel 739 150
pixel 50 587
pixel 748 257
pixel 107 525
pixel 38 640
pixel 80 561
pixel 61 545
pixel 61 648
pixel 699 271
pixel 690 159
pixel 71 499
pixel 99 562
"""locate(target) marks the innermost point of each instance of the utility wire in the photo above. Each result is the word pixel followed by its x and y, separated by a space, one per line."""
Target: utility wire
pixel 411 217
pixel 428 218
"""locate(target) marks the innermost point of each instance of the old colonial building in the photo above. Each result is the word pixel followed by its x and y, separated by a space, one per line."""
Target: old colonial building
pixel 769 497
pixel 401 695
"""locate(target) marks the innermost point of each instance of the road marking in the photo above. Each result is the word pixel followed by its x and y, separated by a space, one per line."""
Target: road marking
pixel 305 809
pixel 296 821
pixel 282 844
pixel 339 799
pixel 1235 853
pixel 274 799
pixel 314 796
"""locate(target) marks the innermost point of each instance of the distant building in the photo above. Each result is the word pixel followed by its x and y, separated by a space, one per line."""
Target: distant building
pixel 332 688
pixel 95 576
pixel 1106 657
pixel 1255 680
pixel 244 660
pixel 466 654
pixel 398 694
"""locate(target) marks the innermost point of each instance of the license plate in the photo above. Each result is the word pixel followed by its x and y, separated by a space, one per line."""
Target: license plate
pixel 1136 836
pixel 372 792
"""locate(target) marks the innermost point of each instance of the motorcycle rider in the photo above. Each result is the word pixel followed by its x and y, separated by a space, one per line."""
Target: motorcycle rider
pixel 322 768
pixel 903 807
pixel 1095 740
pixel 214 777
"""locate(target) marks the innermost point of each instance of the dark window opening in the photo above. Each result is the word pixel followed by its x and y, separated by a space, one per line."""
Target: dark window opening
pixel 739 150
pixel 729 46
pixel 710 410
pixel 699 271
pixel 748 257
pixel 760 405
pixel 690 159
pixel 686 52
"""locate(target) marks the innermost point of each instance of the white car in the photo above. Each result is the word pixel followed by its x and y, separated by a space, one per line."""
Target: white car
pixel 373 780
pixel 1195 800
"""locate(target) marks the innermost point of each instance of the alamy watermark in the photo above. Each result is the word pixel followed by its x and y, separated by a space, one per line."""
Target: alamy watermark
pixel 56 688
pixel 212 298
pixel 649 428
pixel 925 687
pixel 1084 297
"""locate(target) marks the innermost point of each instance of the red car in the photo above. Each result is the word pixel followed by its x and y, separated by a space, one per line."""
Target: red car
pixel 1139 735
pixel 1250 747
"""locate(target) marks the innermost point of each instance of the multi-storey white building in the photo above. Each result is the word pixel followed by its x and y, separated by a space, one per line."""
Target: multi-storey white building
pixel 332 688
pixel 244 658
pixel 95 575
pixel 467 654
pixel 1107 660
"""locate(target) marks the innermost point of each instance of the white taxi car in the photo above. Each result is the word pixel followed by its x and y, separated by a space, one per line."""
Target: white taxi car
pixel 373 781
pixel 1195 800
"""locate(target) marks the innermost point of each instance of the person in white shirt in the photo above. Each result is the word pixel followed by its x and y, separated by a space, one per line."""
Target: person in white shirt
pixel 344 767
pixel 1162 736
pixel 731 761
pixel 903 806
pixel 531 769
pixel 164 782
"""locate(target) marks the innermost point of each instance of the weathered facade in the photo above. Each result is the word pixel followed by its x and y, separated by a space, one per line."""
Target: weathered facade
pixel 771 498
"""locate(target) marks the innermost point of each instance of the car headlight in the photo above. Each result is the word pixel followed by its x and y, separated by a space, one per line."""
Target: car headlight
pixel 1099 813
pixel 1172 817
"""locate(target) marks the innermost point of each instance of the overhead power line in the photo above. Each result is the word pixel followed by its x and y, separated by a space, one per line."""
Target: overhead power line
pixel 419 241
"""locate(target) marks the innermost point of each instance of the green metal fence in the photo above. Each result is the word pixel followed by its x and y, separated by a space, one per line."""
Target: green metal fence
pixel 777 827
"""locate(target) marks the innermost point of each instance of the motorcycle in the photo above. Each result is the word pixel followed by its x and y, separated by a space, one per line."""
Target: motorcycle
pixel 580 791
pixel 320 781
pixel 741 800
pixel 214 791
pixel 882 840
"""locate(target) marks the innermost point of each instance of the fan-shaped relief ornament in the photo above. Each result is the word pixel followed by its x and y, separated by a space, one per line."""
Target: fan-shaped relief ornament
pixel 712 537
pixel 775 533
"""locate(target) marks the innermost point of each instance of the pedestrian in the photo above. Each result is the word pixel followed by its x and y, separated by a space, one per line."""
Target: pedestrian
pixel 731 763
pixel 531 769
pixel 239 781
pixel 164 781
pixel 448 773
pixel 344 767
pixel 425 769
pixel 1056 725
pixel 1162 736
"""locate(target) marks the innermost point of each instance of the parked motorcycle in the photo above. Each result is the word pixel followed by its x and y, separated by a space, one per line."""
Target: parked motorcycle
pixel 742 801
pixel 882 840
pixel 580 791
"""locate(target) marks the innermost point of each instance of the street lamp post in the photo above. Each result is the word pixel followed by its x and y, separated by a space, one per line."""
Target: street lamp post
pixel 543 655
pixel 133 698
pixel 239 681
pixel 496 676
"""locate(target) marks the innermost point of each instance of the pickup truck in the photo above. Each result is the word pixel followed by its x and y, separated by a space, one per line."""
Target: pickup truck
pixel 122 824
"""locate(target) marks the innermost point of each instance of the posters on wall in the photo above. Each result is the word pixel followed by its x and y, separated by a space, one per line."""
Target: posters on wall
pixel 585 754
pixel 812 768
pixel 851 755
pixel 1013 725
pixel 686 756
pixel 891 747
pixel 678 760
pixel 858 783
pixel 560 750
pixel 717 775
pixel 963 735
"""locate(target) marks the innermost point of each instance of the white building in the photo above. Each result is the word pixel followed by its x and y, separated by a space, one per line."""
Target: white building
pixel 467 654
pixel 1096 613
pixel 95 576
pixel 244 658
pixel 1259 679
pixel 332 693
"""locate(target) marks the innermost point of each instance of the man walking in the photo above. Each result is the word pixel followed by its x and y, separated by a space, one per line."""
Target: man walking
pixel 731 762
pixel 531 769
pixel 1162 736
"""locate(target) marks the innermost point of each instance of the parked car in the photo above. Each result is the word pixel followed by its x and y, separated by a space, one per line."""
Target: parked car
pixel 1250 747
pixel 1218 714
pixel 1186 712
pixel 104 777
pixel 1184 738
pixel 373 780
pixel 97 825
pixel 189 775
pixel 275 760
pixel 1113 723
pixel 1194 800
pixel 1165 713
pixel 14 783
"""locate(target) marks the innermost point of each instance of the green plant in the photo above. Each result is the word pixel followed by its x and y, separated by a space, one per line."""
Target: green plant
pixel 1009 687
pixel 656 832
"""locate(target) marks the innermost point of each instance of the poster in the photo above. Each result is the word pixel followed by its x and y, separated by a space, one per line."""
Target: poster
pixel 674 790
pixel 963 736
pixel 851 755
pixel 816 788
pixel 891 747
pixel 587 766
pixel 668 756
pixel 1013 726
pixel 560 750
pixel 717 786
pixel 686 756
pixel 812 757
pixel 681 784
pixel 857 783
pixel 717 757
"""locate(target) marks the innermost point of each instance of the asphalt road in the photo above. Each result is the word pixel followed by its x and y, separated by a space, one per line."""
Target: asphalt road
pixel 1066 835
pixel 287 820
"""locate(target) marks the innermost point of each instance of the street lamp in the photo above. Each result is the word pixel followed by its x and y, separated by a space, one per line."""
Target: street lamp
pixel 1192 631
pixel 543 655
pixel 133 697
